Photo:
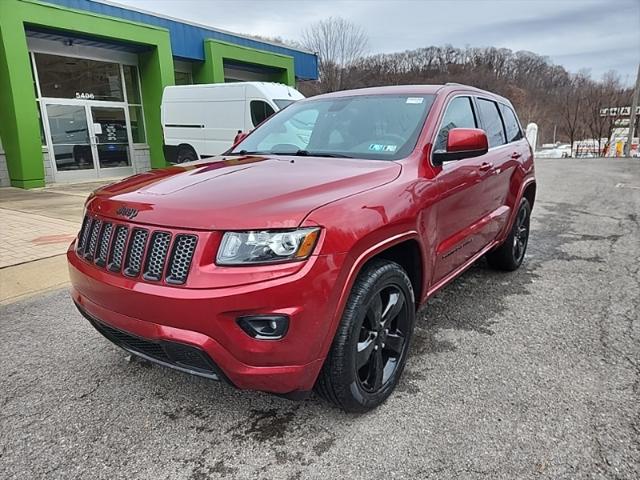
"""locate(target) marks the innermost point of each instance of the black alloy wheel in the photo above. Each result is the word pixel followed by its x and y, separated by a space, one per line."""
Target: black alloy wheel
pixel 510 254
pixel 382 338
pixel 521 235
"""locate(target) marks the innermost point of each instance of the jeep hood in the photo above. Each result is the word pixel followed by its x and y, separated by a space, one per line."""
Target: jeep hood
pixel 251 192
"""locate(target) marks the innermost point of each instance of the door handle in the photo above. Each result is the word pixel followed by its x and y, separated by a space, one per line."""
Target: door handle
pixel 485 166
pixel 516 155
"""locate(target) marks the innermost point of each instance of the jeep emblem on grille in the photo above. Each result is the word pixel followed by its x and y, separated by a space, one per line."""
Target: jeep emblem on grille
pixel 128 212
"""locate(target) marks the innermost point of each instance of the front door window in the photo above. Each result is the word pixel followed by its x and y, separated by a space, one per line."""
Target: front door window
pixel 111 138
pixel 70 137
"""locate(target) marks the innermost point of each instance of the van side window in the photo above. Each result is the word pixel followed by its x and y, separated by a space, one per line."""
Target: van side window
pixel 511 124
pixel 260 111
pixel 459 114
pixel 491 122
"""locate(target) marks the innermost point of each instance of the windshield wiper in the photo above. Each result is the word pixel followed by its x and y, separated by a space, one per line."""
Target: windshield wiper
pixel 307 153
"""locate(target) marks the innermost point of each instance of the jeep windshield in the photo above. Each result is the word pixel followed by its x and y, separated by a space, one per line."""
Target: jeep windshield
pixel 375 127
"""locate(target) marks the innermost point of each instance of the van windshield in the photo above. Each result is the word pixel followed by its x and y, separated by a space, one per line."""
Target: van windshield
pixel 282 102
pixel 376 127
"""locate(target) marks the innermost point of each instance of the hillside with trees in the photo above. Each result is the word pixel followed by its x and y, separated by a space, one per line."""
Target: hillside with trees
pixel 541 91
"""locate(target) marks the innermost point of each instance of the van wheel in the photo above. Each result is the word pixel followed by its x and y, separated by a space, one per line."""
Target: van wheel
pixel 510 254
pixel 370 348
pixel 186 154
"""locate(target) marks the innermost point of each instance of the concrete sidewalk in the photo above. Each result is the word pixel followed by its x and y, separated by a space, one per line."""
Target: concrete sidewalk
pixel 36 227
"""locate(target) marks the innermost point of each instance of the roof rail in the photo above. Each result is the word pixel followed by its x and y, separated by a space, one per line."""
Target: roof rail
pixel 455 83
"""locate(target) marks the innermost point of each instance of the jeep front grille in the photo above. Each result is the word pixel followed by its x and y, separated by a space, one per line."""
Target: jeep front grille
pixel 157 255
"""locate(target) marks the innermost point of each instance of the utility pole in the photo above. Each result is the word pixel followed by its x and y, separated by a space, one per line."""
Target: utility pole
pixel 632 116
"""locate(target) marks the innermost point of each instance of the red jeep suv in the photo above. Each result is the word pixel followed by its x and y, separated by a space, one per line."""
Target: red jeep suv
pixel 297 260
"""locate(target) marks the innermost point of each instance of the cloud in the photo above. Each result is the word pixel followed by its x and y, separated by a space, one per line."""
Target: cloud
pixel 594 34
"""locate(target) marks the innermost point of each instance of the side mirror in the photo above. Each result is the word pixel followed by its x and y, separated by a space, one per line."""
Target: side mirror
pixel 463 143
pixel 239 137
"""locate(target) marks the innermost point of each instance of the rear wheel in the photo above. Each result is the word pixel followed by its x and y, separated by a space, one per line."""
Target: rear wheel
pixel 186 154
pixel 510 254
pixel 370 348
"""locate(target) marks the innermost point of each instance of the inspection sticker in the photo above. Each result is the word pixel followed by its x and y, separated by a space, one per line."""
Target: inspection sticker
pixel 415 99
pixel 379 147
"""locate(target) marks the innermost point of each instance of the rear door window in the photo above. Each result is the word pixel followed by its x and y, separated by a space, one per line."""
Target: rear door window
pixel 260 111
pixel 511 124
pixel 459 114
pixel 491 122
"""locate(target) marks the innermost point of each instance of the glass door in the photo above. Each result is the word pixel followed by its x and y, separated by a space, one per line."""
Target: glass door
pixel 70 139
pixel 110 139
pixel 87 141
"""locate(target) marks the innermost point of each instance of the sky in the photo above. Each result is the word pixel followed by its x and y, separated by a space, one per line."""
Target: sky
pixel 599 35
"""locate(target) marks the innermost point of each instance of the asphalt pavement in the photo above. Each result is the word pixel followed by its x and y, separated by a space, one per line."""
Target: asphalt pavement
pixel 530 374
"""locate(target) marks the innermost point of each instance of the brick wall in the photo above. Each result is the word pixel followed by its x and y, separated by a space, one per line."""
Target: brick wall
pixel 141 158
pixel 48 168
pixel 4 173
pixel 141 163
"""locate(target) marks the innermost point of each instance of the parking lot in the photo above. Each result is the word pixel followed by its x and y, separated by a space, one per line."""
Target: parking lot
pixel 531 374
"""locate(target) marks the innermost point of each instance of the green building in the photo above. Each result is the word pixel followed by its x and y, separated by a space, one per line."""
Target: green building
pixel 81 84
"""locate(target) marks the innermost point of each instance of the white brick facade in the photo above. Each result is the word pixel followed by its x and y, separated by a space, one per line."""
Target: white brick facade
pixel 140 158
pixel 4 173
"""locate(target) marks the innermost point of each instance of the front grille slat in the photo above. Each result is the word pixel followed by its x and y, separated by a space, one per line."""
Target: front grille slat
pixel 84 231
pixel 184 247
pixel 137 244
pixel 158 255
pixel 114 263
pixel 103 245
pixel 90 249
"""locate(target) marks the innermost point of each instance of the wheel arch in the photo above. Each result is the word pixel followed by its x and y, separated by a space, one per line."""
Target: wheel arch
pixel 408 255
pixel 529 192
pixel 188 146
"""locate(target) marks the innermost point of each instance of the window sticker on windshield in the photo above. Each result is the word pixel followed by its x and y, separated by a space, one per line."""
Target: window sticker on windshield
pixel 379 147
pixel 415 99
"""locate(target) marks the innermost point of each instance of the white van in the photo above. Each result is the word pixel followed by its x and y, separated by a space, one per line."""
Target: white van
pixel 202 120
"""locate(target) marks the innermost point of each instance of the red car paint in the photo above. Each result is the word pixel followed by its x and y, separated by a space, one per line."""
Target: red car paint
pixel 455 213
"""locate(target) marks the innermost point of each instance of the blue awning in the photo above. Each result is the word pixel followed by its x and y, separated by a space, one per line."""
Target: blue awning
pixel 187 40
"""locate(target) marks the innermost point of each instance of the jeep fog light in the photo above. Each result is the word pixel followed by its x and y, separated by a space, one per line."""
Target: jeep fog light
pixel 264 327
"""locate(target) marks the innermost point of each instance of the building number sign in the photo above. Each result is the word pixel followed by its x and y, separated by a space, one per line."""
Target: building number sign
pixel 85 96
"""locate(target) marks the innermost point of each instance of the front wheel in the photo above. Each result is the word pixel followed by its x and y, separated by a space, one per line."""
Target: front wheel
pixel 370 348
pixel 510 254
pixel 186 154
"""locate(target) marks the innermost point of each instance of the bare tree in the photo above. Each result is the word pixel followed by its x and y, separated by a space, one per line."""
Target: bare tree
pixel 599 96
pixel 338 44
pixel 572 108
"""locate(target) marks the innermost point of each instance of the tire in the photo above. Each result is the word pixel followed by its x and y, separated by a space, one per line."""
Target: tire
pixel 510 254
pixel 186 154
pixel 368 338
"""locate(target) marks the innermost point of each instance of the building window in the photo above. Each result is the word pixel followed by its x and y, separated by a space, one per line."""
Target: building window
pixel 132 84
pixel 43 141
pixel 134 99
pixel 68 77
pixel 183 78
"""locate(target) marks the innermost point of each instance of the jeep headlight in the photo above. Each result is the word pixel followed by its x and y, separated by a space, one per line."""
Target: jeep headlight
pixel 266 246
